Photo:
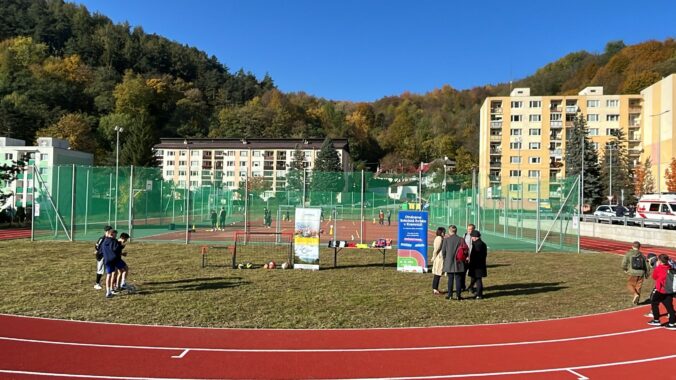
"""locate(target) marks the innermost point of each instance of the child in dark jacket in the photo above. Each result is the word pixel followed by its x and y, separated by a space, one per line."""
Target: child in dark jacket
pixel 662 294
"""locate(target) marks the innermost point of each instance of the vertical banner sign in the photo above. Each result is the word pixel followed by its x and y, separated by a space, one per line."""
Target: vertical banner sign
pixel 412 242
pixel 306 238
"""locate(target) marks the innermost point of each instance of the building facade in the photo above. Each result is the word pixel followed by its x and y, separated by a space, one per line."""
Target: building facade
pixel 659 127
pixel 228 162
pixel 47 153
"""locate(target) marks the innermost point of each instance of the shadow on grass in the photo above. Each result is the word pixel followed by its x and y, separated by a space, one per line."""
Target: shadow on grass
pixel 522 289
pixel 349 266
pixel 498 265
pixel 191 284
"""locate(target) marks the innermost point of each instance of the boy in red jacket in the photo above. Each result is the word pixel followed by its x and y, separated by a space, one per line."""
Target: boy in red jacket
pixel 662 294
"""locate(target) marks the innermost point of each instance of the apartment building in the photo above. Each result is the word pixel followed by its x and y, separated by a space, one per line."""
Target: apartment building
pixel 225 162
pixel 659 125
pixel 523 137
pixel 47 153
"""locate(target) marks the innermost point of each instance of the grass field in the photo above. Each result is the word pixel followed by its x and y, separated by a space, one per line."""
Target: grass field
pixel 50 279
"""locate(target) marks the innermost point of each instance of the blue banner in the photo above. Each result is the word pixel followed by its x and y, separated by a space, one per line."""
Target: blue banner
pixel 412 242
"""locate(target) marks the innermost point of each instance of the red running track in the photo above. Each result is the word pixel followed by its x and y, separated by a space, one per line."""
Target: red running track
pixel 15 233
pixel 619 247
pixel 612 345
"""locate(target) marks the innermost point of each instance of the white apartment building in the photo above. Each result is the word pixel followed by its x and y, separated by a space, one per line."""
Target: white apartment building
pixel 225 162
pixel 47 153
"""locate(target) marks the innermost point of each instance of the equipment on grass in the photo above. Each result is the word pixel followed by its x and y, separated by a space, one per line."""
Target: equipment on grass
pixel 249 266
pixel 262 247
pixel 272 265
pixel 285 265
pixel 240 266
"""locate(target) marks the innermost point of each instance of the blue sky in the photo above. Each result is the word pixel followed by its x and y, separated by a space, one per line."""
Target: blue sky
pixel 364 50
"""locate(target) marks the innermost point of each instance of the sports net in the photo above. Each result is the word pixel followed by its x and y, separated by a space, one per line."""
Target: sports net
pixel 259 248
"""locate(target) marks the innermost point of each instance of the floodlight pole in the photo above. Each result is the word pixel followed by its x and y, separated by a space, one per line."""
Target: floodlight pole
pixel 361 208
pixel 187 206
pixel 72 202
pixel 86 203
pixel 33 203
pixel 118 130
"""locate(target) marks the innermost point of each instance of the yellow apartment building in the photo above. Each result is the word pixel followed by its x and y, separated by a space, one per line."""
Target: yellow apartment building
pixel 658 127
pixel 523 138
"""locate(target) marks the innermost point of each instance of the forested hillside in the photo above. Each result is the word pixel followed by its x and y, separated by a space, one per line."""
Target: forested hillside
pixel 66 72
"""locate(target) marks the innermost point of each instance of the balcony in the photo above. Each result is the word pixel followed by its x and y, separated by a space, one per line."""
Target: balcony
pixel 496 138
pixel 496 124
pixel 555 136
pixel 556 124
pixel 496 163
pixel 555 152
pixel 494 178
pixel 496 110
pixel 635 137
pixel 496 151
pixel 571 109
pixel 555 108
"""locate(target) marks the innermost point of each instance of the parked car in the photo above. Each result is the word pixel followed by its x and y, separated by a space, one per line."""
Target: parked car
pixel 606 212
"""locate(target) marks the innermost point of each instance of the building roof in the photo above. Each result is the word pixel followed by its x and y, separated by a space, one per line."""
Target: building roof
pixel 239 143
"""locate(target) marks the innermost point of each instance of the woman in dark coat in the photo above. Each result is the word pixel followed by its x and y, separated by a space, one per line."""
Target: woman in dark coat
pixel 477 264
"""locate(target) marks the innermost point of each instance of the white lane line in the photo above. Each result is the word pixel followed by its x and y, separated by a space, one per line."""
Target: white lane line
pixel 579 376
pixel 181 355
pixel 430 377
pixel 334 350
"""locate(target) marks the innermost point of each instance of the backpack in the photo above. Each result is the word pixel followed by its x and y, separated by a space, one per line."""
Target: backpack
pixel 97 247
pixel 463 252
pixel 638 262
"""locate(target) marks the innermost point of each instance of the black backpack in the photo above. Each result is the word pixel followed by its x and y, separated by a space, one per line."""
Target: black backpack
pixel 638 262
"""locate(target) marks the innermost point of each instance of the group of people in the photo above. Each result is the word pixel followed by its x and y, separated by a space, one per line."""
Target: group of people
pixel 382 216
pixel 218 219
pixel 639 267
pixel 109 253
pixel 459 257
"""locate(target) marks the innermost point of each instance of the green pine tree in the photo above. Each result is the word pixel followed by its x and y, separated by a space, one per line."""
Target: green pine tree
pixel 294 177
pixel 327 175
pixel 137 147
pixel 576 137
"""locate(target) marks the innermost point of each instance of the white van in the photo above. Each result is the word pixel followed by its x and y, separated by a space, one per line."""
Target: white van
pixel 658 207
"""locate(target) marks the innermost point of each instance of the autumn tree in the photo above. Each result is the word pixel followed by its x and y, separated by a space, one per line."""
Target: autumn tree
pixel 644 182
pixel 670 175
pixel 74 127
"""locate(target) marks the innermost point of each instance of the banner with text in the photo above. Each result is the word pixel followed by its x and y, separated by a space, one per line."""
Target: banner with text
pixel 306 238
pixel 412 242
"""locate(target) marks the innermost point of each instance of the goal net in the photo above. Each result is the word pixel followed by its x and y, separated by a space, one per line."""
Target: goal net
pixel 259 248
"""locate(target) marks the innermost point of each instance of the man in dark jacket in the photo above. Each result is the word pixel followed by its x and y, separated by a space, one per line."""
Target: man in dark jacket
pixel 453 268
pixel 477 264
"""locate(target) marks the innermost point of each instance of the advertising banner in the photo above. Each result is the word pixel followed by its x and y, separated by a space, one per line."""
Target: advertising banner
pixel 412 242
pixel 306 238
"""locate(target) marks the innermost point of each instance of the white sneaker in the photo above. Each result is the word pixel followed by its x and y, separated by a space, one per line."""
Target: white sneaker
pixel 649 315
pixel 97 286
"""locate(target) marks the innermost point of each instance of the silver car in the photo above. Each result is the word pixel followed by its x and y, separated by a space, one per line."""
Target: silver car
pixel 605 212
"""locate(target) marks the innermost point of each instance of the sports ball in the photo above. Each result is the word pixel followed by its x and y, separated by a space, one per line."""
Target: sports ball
pixel 272 265
pixel 285 265
pixel 265 266
pixel 249 265
pixel 240 266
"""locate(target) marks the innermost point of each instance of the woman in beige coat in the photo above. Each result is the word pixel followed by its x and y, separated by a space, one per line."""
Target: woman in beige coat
pixel 437 260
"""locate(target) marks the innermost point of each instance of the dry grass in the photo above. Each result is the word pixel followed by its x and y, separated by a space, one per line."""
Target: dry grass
pixel 56 280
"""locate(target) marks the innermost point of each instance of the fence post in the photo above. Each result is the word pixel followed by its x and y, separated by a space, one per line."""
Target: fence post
pixel 58 186
pixel 72 203
pixel 87 202
pixel 187 214
pixel 161 200
pixel 130 223
pixel 361 208
pixel 537 219
pixel 33 205
pixel 110 194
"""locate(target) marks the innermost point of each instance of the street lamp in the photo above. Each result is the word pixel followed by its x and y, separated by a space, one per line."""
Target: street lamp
pixel 187 143
pixel 610 147
pixel 659 152
pixel 445 163
pixel 118 130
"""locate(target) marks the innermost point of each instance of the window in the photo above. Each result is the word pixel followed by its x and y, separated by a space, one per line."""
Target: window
pixel 534 160
pixel 673 207
pixel 181 163
pixel 534 132
pixel 9 156
pixel 229 163
pixel 515 145
pixel 532 188
pixel 194 164
pixel 592 103
pixel 44 156
pixel 655 207
pixel 533 118
pixel 194 173
pixel 242 163
pixel 181 183
pixel 611 131
pixel 555 117
pixel 195 153
pixel 592 117
pixel 170 153
pixel 515 132
pixel 169 173
pixel 243 153
pixel 595 145
pixel 535 104
pixel 515 173
pixel 181 173
pixel 516 117
pixel 229 153
pixel 182 153
pixel 517 104
pixel 613 117
pixel 514 187
pixel 229 173
pixel 612 103
pixel 256 153
pixel 534 145
pixel 665 208
pixel 534 173
pixel 514 160
pixel 593 131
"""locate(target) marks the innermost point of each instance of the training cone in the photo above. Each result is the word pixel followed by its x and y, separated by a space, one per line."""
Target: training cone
pixel 330 229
